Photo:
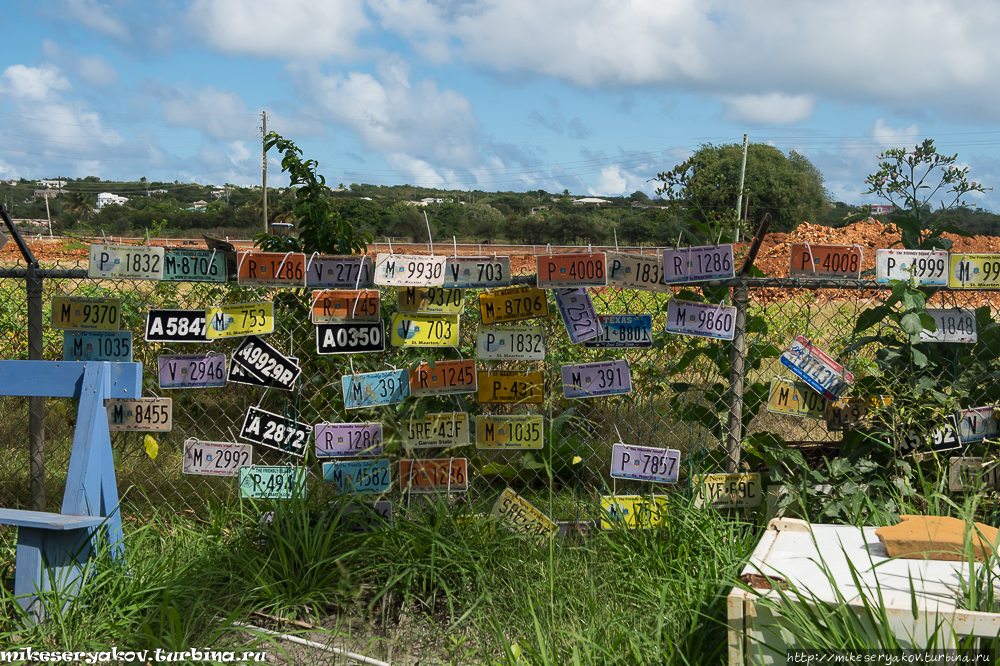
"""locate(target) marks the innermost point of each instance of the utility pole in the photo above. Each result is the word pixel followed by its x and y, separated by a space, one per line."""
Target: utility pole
pixel 263 145
pixel 739 197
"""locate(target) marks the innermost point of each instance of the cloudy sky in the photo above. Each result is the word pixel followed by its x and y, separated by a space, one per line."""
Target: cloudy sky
pixel 593 96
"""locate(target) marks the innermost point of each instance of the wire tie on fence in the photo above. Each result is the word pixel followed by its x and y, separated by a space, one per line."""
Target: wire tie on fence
pixel 354 374
pixel 104 237
pixel 282 264
pixel 451 463
pixel 390 244
pixel 212 258
pixel 239 266
pixel 590 248
pixel 430 241
pixel 310 262
pixel 616 240
pixel 454 244
pixel 812 259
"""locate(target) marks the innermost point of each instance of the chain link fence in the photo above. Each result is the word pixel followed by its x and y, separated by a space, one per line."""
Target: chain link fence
pixel 682 395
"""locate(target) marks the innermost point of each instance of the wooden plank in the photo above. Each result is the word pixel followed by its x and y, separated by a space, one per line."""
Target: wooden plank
pixel 47 521
pixel 64 379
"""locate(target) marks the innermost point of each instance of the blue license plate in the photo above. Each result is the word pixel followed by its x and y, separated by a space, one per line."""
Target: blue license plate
pixel 194 266
pixel 623 331
pixel 358 476
pixel 97 346
pixel 372 389
pixel 591 380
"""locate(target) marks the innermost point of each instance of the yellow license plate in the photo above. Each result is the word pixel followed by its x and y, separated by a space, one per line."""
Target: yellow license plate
pixel 510 432
pixel 518 515
pixel 633 511
pixel 974 271
pixel 849 413
pixel 430 300
pixel 514 304
pixel 444 429
pixel 230 321
pixel 417 330
pixel 727 490
pixel 509 386
pixel 86 314
pixel 796 399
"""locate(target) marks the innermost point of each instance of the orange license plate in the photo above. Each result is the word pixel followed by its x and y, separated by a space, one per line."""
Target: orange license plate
pixel 272 269
pixel 446 377
pixel 445 475
pixel 557 271
pixel 335 306
pixel 826 261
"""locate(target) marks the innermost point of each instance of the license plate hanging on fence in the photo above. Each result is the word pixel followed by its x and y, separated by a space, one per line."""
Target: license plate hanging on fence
pixel 87 314
pixel 592 380
pixel 510 432
pixel 634 511
pixel 636 271
pixel 514 304
pixel 974 271
pixel 978 423
pixel 704 320
pixel 274 482
pixel 430 300
pixel 265 364
pixel 446 377
pixel 350 338
pixel 336 306
pixel 125 262
pixel 347 439
pixel 816 369
pixel 272 269
pixel 695 264
pixel 352 477
pixel 176 326
pixel 372 389
pixel 560 271
pixel 97 346
pixel 953 325
pixel 930 266
pixel 727 490
pixel 191 371
pixel 420 330
pixel 644 463
pixel 509 386
pixel 275 431
pixel 520 516
pixel 477 272
pixel 795 399
pixel 215 458
pixel 623 332
pixel 339 272
pixel 230 321
pixel 408 270
pixel 194 266
pixel 519 343
pixel 448 475
pixel 443 429
pixel 140 415
pixel 578 314
pixel 826 261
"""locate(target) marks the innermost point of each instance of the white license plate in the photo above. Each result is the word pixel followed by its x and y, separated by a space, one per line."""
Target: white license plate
pixel 705 262
pixel 408 270
pixel 591 380
pixel 704 320
pixel 420 330
pixel 275 431
pixel 191 371
pixel 973 474
pixel 974 271
pixel 727 490
pixel 978 423
pixel 443 429
pixel 930 266
pixel 578 314
pixel 339 272
pixel 347 439
pixel 272 482
pixel 140 415
pixel 97 346
pixel 643 463
pixel 477 272
pixel 953 325
pixel 816 369
pixel 125 262
pixel 176 326
pixel 520 516
pixel 636 271
pixel 430 300
pixel 86 314
pixel 525 343
pixel 623 332
pixel 510 432
pixel 215 458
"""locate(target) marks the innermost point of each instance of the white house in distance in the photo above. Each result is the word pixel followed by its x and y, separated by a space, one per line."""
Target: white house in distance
pixel 107 199
pixel 589 201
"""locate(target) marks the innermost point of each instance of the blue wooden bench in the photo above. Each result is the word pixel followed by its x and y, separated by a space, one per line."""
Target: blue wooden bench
pixel 52 547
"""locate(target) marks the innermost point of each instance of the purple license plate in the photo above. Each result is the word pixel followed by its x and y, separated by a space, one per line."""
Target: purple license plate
pixel 348 439
pixel 644 463
pixel 590 380
pixel 578 313
pixel 192 371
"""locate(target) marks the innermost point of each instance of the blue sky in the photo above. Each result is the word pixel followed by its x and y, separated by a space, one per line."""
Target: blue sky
pixel 593 96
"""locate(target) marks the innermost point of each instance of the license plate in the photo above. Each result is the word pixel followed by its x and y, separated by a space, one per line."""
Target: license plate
pixel 643 463
pixel 795 399
pixel 559 271
pixel 521 343
pixel 271 269
pixel 334 307
pixel 363 519
pixel 477 272
pixel 176 326
pixel 623 332
pixel 372 389
pixel 277 482
pixel 826 261
pixel 930 266
pixel 231 321
pixel 350 338
pixel 446 377
pixel 97 346
pixel 978 423
pixel 414 330
pixel 347 439
pixel 636 271
pixel 436 430
pixel 704 262
pixel 275 431
pixel 125 262
pixel 974 271
pixel 513 304
pixel 816 369
pixel 589 380
pixel 140 415
pixel 520 516
pixel 353 477
pixel 851 413
pixel 430 300
pixel 408 270
pixel 953 325
pixel 704 320
pixel 191 371
pixel 973 474
pixel 215 458
pixel 194 266
pixel 448 475
pixel 727 490
pixel 578 314
pixel 633 511
pixel 509 386
pixel 510 432
pixel 943 437
pixel 267 363
pixel 339 273
pixel 87 314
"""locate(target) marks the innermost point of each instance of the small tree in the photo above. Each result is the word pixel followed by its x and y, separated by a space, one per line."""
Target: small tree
pixel 905 179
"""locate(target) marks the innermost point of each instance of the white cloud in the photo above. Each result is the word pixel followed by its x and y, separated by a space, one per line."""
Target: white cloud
pixel 97 16
pixel 296 29
pixel 33 84
pixel 892 137
pixel 96 71
pixel 220 114
pixel 238 152
pixel 610 182
pixel 772 109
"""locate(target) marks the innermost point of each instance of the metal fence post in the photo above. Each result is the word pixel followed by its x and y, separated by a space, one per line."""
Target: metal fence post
pixel 737 363
pixel 36 405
